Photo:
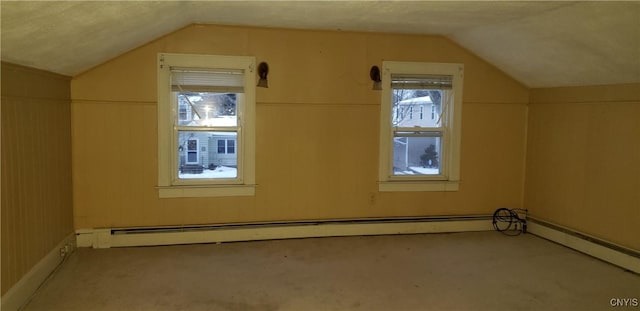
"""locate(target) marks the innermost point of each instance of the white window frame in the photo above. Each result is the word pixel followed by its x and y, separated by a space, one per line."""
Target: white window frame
pixel 449 178
pixel 169 186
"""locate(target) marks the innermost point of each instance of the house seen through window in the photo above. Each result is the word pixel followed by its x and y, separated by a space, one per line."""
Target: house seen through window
pixel 205 153
pixel 417 141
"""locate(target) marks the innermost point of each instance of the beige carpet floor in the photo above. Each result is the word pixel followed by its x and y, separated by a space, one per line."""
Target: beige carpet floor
pixel 461 271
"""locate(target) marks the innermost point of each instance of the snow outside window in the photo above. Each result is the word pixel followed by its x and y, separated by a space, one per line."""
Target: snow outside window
pixel 206 130
pixel 420 154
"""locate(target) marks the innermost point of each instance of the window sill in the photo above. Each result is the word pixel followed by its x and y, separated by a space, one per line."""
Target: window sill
pixel 206 191
pixel 389 186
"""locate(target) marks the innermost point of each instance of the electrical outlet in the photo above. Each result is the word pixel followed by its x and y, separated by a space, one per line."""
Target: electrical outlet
pixel 63 251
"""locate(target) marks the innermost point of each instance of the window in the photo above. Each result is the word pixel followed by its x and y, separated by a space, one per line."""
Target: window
pixel 206 131
pixel 420 154
pixel 226 146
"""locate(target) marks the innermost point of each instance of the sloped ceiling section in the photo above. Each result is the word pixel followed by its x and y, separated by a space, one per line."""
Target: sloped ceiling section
pixel 69 37
pixel 541 44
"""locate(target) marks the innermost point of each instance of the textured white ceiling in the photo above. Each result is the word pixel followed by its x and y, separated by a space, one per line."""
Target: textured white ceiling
pixel 541 44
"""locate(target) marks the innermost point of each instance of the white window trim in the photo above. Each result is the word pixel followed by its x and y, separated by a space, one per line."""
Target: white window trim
pixel 167 186
pixel 450 178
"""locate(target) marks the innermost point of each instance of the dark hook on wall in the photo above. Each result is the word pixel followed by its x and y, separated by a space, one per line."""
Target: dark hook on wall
pixel 374 73
pixel 263 71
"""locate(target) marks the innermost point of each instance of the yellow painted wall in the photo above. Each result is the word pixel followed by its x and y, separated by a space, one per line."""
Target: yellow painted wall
pixel 36 168
pixel 317 132
pixel 583 160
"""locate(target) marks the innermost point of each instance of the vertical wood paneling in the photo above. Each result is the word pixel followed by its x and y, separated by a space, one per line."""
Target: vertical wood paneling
pixel 317 132
pixel 36 168
pixel 583 168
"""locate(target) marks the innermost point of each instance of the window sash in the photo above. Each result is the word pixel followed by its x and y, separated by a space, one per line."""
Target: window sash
pixel 206 181
pixel 424 132
pixel 190 111
pixel 199 128
pixel 419 131
pixel 176 156
pixel 176 180
pixel 402 110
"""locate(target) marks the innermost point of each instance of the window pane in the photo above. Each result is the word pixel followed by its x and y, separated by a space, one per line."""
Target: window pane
pixel 409 107
pixel 207 109
pixel 200 155
pixel 416 155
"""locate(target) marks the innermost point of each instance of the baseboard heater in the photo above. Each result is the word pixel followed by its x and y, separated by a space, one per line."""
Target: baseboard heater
pixel 215 233
pixel 621 256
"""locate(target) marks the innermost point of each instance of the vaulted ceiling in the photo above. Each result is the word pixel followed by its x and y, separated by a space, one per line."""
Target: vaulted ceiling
pixel 541 44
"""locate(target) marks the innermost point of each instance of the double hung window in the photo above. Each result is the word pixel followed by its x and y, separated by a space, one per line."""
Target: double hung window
pixel 420 154
pixel 206 113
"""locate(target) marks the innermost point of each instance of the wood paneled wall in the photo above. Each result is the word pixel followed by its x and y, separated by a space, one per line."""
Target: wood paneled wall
pixel 317 132
pixel 36 198
pixel 583 160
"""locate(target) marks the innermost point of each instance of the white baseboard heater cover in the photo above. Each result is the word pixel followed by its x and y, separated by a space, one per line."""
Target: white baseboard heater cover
pixel 148 236
pixel 623 257
pixel 151 236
